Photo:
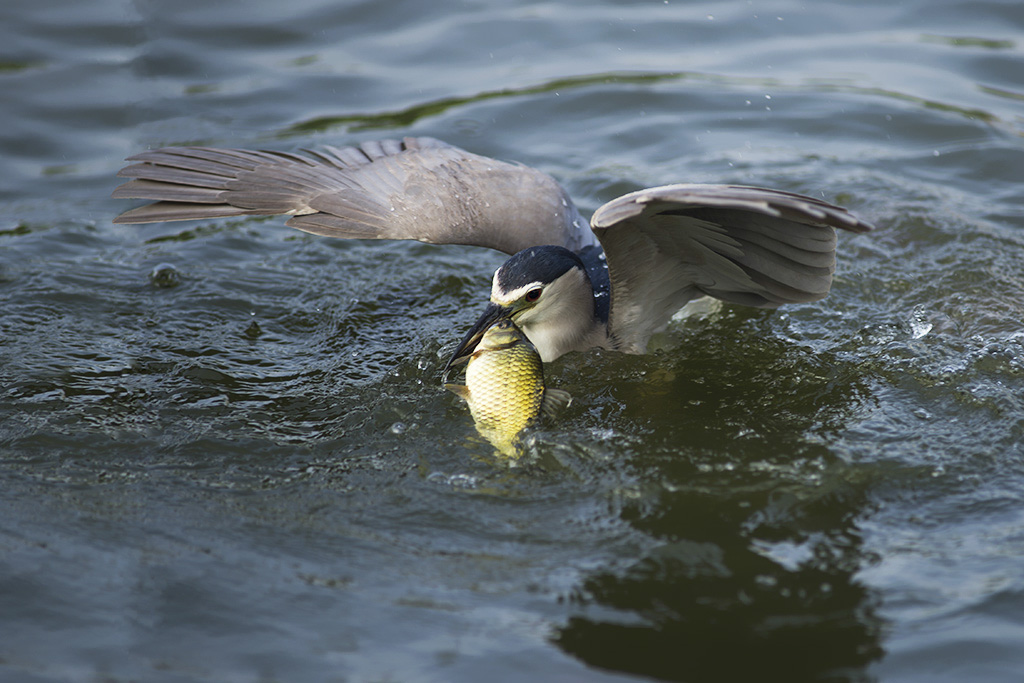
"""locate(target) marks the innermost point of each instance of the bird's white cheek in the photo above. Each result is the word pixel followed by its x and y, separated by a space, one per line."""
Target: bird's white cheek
pixel 527 317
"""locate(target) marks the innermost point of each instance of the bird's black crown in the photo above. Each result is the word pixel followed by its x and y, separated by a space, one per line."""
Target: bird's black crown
pixel 537 264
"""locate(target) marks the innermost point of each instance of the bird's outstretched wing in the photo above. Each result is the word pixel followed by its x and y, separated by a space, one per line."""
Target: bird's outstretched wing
pixel 417 188
pixel 667 245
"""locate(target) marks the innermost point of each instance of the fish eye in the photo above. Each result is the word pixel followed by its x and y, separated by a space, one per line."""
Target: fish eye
pixel 533 295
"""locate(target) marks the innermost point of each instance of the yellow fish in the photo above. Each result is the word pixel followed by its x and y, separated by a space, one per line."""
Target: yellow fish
pixel 505 386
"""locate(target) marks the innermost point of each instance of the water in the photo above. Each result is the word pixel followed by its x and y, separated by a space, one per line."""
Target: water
pixel 225 453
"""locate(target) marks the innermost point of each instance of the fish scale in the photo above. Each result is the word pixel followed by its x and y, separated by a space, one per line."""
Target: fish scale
pixel 505 386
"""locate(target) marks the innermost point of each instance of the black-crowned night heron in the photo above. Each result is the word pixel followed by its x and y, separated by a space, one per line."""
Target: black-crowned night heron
pixel 569 286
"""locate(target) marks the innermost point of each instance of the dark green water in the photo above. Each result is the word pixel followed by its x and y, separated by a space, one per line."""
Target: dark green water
pixel 225 453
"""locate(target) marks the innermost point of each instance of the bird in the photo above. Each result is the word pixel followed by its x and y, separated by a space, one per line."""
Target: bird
pixel 570 284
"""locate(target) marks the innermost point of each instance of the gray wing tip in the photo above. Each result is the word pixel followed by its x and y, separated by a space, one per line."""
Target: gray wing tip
pixel 855 224
pixel 166 211
pixel 826 212
pixel 781 203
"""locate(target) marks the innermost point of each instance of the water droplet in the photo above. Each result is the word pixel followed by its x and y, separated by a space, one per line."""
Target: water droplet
pixel 253 330
pixel 919 325
pixel 453 480
pixel 398 428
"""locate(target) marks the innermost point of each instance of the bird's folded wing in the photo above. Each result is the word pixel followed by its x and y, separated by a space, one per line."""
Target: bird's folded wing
pixel 417 188
pixel 667 245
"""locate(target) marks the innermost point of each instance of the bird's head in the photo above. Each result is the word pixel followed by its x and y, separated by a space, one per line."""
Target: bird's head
pixel 546 292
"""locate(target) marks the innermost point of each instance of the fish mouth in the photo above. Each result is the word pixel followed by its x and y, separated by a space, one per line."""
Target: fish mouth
pixel 492 314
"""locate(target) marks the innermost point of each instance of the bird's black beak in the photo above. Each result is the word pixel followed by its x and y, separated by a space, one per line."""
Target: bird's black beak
pixel 492 314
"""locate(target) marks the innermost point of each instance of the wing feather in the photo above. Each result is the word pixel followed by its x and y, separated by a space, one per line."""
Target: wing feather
pixel 165 191
pixel 415 188
pixel 159 212
pixel 667 245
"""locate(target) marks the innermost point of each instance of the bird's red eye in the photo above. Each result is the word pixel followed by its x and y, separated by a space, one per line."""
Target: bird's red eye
pixel 533 294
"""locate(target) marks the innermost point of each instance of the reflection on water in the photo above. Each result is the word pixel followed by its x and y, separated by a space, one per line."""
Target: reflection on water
pixel 723 611
pixel 734 593
pixel 407 117
pixel 757 520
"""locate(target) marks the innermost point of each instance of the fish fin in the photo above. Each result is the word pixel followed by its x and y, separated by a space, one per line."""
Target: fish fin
pixel 450 368
pixel 555 401
pixel 460 390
